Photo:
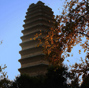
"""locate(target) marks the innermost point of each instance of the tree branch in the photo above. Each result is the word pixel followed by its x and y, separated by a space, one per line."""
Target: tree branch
pixel 83 34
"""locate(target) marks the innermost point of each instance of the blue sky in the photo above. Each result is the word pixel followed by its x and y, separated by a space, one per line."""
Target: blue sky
pixel 12 14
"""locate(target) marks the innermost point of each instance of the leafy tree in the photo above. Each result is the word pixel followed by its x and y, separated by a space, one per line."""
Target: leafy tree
pixel 25 81
pixel 85 83
pixel 4 81
pixel 69 30
pixel 2 73
pixel 57 77
pixel 81 69
pixel 74 81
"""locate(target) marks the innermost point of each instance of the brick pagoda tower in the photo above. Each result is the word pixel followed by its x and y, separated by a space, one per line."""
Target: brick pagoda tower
pixel 38 18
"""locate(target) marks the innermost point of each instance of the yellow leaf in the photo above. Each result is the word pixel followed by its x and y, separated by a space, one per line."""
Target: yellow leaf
pixel 49 51
pixel 30 38
pixel 34 38
pixel 79 51
pixel 68 55
pixel 84 50
pixel 38 45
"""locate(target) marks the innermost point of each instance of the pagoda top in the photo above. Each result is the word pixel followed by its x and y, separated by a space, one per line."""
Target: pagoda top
pixel 40 2
pixel 37 4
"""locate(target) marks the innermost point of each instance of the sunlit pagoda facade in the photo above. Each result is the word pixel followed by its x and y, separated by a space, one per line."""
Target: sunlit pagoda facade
pixel 39 17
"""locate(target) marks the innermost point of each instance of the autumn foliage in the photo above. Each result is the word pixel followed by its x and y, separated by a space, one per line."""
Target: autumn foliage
pixel 68 30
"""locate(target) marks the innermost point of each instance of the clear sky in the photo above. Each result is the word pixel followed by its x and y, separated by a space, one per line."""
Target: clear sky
pixel 12 14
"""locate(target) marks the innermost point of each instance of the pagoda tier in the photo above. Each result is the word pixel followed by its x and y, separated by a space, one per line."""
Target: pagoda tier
pixel 39 19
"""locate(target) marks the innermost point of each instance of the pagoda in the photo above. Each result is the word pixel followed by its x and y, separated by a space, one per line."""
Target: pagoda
pixel 39 18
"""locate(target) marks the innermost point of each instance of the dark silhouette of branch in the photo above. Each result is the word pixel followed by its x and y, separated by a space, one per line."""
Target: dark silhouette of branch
pixel 83 34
